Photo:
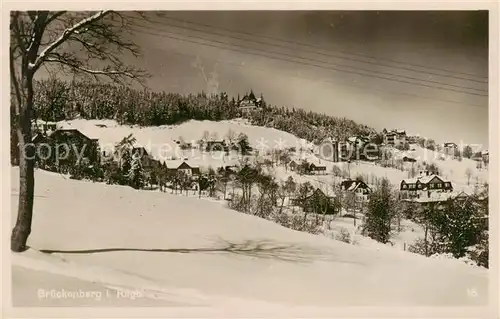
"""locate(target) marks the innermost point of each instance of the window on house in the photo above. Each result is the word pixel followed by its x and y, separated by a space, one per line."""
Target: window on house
pixel 404 186
pixel 438 185
pixel 419 186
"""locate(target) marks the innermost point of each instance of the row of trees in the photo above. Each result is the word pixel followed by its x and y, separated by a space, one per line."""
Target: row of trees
pixel 57 100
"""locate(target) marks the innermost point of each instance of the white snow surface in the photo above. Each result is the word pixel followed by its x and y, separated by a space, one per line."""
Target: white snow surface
pixel 155 138
pixel 181 250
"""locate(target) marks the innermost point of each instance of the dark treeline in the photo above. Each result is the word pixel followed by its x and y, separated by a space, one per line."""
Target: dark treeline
pixel 57 100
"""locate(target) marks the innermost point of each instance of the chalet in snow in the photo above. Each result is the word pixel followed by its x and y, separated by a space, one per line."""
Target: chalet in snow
pixel 175 166
pixel 74 139
pixel 293 165
pixel 313 168
pixel 450 148
pixel 358 187
pixel 425 186
pixel 394 137
pixel 250 103
pixel 316 202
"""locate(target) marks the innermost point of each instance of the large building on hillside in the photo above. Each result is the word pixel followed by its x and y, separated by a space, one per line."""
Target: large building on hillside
pixel 450 148
pixel 426 185
pixel 249 103
pixel 394 137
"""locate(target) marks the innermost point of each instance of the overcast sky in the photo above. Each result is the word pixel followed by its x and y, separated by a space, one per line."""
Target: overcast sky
pixel 425 72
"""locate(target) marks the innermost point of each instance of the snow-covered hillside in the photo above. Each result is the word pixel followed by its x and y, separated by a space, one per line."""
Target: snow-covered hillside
pixel 180 250
pixel 110 132
pixel 161 141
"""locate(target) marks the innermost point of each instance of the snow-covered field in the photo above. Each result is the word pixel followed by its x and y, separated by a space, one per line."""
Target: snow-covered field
pixel 165 249
pixel 160 138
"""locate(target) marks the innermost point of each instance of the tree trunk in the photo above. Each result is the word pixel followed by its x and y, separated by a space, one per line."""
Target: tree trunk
pixel 22 229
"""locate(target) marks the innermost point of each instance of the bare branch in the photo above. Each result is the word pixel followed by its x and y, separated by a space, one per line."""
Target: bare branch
pixel 55 16
pixel 66 34
pixel 115 73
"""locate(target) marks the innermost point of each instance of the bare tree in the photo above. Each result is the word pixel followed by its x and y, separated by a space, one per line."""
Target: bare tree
pixel 79 43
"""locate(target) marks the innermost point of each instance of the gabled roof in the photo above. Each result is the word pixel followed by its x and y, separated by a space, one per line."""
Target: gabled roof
pixel 409 180
pixel 140 149
pixel 427 179
pixel 70 131
pixel 353 185
pixel 318 192
pixel 423 179
pixel 176 164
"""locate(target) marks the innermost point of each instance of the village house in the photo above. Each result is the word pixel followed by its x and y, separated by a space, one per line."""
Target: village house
pixel 395 137
pixel 438 200
pixel 249 103
pixel 358 187
pixel 183 166
pixel 424 186
pixel 450 148
pixel 317 202
pixel 75 142
pixel 313 168
pixel 293 165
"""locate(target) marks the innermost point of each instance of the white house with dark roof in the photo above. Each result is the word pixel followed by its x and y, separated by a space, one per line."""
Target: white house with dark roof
pixel 424 186
pixel 185 166
pixel 395 137
pixel 450 148
pixel 358 187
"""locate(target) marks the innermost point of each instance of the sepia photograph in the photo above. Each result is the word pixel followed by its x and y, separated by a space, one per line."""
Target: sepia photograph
pixel 249 158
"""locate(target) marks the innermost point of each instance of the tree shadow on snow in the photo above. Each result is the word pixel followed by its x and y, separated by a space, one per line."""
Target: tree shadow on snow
pixel 258 249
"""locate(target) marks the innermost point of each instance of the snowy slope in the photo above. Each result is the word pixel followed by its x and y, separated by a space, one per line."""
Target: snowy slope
pixel 110 132
pixel 161 141
pixel 195 251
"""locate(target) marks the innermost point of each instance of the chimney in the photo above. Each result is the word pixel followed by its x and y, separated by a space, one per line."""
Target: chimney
pixel 427 173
